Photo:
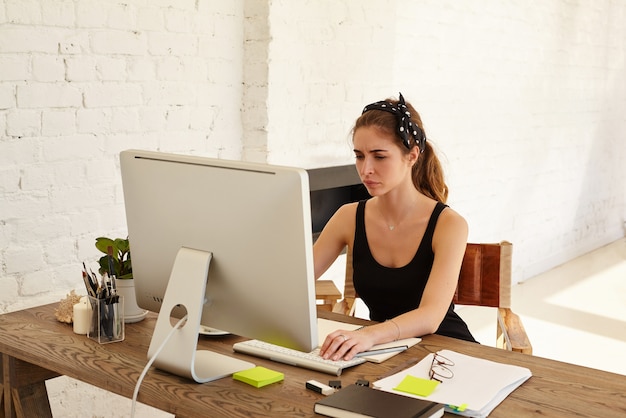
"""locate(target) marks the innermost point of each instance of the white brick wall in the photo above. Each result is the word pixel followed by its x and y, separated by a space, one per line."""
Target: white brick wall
pixel 525 100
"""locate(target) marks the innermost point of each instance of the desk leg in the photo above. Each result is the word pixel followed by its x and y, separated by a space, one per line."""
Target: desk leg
pixel 24 392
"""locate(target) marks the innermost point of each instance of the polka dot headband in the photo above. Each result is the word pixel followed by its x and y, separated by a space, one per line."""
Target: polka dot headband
pixel 406 128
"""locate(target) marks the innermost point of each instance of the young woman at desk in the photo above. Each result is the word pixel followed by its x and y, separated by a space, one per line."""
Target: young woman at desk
pixel 407 245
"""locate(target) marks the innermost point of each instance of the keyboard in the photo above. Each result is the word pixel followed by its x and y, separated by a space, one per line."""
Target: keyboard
pixel 293 357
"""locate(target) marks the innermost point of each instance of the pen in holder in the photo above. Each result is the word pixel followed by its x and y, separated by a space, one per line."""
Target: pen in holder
pixel 107 319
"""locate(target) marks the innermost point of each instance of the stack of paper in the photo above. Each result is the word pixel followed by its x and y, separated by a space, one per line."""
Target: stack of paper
pixel 475 389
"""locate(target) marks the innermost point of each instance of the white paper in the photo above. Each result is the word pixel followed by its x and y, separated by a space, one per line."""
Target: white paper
pixel 480 384
pixel 326 326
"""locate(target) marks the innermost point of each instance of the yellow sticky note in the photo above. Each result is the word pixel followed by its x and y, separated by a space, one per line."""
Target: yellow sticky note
pixel 417 386
pixel 258 376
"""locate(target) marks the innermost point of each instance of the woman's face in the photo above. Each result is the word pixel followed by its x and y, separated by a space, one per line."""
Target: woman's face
pixel 380 162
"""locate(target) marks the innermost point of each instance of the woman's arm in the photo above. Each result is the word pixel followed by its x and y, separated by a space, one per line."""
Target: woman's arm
pixel 333 238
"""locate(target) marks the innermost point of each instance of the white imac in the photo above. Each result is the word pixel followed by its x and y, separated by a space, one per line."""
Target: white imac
pixel 227 242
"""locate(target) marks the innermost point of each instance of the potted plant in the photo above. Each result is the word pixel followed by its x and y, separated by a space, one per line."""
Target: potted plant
pixel 117 258
pixel 120 253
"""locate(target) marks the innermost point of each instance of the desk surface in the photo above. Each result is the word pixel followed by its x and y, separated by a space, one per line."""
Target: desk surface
pixel 33 336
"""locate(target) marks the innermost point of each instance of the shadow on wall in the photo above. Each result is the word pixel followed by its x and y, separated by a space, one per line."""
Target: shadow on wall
pixel 604 171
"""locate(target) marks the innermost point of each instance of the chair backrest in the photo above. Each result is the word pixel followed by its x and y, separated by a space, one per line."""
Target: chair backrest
pixel 485 278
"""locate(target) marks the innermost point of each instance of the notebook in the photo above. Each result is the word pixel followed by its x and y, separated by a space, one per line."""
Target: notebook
pixel 362 401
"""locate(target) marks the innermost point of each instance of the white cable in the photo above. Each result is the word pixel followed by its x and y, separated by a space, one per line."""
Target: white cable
pixel 149 364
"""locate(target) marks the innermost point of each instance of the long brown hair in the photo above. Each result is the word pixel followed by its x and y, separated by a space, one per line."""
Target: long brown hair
pixel 427 172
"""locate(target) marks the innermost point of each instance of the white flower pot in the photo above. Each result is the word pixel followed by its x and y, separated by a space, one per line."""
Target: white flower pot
pixel 132 312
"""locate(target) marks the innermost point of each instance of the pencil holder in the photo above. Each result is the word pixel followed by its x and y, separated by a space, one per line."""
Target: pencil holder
pixel 107 319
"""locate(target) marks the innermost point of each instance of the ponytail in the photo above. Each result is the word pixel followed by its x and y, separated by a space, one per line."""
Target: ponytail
pixel 428 175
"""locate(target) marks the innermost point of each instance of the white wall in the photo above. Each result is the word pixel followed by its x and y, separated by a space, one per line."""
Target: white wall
pixel 525 100
pixel 82 80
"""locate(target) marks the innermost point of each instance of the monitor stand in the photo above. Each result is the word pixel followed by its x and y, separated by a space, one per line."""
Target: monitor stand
pixel 186 287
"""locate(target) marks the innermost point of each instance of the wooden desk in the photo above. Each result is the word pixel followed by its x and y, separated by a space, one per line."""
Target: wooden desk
pixel 36 347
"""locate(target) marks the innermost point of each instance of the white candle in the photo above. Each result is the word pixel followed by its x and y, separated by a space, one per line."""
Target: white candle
pixel 82 316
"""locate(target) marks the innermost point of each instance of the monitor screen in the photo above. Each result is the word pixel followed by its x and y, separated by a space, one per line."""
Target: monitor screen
pixel 255 222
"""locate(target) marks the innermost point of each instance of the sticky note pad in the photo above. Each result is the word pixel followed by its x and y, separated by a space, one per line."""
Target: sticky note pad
pixel 258 376
pixel 417 386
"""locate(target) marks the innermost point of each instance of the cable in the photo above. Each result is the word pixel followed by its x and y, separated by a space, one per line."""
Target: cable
pixel 149 364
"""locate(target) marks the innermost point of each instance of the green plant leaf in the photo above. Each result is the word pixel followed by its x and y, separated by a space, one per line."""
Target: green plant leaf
pixel 103 243
pixel 122 264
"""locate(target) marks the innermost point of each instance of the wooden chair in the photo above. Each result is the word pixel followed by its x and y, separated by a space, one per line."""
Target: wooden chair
pixel 485 280
pixel 327 294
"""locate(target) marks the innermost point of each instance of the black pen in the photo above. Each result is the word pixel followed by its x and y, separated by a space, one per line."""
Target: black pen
pixel 111 269
pixel 376 351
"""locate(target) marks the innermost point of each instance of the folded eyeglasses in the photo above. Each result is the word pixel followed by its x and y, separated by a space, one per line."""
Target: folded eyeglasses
pixel 440 368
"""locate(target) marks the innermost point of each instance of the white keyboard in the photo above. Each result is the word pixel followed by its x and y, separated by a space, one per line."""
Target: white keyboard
pixel 310 360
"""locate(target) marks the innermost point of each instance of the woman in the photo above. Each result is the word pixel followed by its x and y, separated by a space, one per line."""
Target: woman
pixel 407 245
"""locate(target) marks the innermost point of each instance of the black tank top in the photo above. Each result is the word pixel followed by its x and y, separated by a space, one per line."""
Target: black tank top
pixel 389 292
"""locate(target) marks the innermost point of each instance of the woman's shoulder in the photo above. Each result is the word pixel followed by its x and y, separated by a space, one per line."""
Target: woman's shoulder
pixel 343 216
pixel 347 210
pixel 340 227
pixel 450 221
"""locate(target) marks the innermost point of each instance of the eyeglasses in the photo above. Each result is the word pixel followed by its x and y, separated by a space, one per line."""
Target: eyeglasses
pixel 440 368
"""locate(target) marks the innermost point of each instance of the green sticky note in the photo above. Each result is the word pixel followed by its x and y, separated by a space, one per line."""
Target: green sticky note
pixel 417 386
pixel 460 408
pixel 258 376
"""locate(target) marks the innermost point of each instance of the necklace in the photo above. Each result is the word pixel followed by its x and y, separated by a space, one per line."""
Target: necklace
pixel 392 227
pixel 402 218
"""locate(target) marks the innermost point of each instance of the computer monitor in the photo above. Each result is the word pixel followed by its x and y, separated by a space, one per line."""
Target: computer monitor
pixel 227 242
